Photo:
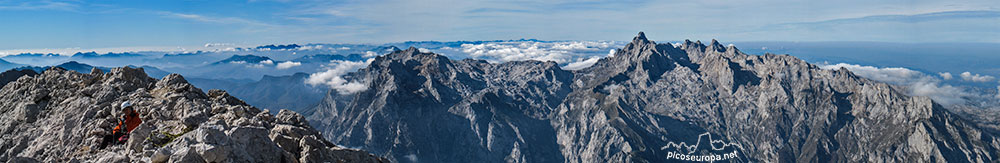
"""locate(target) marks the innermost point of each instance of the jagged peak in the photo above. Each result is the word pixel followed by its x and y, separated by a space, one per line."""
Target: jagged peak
pixel 138 71
pixel 689 45
pixel 394 48
pixel 173 79
pixel 641 36
pixel 413 50
pixel 411 53
pixel 715 45
pixel 640 39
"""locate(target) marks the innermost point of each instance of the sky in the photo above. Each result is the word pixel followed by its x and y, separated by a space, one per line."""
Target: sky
pixel 89 24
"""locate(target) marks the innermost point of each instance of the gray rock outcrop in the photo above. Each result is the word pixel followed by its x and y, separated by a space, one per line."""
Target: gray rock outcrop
pixel 61 116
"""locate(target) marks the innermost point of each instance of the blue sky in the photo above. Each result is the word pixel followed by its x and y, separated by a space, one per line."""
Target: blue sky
pixel 106 24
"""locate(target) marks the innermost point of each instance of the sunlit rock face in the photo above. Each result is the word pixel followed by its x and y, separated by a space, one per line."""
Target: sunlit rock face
pixel 61 116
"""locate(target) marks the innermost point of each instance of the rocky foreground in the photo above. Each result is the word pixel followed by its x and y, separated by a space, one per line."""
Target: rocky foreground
pixel 61 116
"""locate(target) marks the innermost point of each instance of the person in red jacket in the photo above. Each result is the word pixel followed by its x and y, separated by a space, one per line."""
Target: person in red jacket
pixel 127 122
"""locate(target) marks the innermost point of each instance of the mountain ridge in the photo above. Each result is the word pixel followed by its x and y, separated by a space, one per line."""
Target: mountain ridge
pixel 627 106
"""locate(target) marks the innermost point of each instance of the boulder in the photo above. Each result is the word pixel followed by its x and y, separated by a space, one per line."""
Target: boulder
pixel 186 155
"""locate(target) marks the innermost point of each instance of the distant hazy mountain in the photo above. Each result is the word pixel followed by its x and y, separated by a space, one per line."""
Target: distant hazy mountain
pixel 4 65
pixel 279 92
pixel 152 71
pixel 326 58
pixel 644 103
pixel 279 47
pixel 243 59
pixel 105 55
pixel 36 58
pixel 71 65
pixel 80 67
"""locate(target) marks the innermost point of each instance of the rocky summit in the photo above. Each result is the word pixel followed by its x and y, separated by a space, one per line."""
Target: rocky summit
pixel 649 102
pixel 61 116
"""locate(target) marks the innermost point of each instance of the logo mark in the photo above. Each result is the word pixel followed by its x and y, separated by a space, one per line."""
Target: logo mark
pixel 705 149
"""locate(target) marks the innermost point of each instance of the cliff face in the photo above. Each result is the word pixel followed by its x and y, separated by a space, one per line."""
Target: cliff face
pixel 61 116
pixel 636 106
pixel 425 107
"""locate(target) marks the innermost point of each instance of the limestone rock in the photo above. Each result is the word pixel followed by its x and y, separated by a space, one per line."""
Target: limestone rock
pixel 61 116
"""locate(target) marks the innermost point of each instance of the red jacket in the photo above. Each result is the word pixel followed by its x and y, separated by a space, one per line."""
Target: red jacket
pixel 129 121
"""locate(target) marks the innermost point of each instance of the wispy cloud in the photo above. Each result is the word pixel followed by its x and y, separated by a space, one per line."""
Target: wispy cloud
pixel 39 5
pixel 943 26
pixel 917 83
pixel 910 18
pixel 967 76
pixel 218 20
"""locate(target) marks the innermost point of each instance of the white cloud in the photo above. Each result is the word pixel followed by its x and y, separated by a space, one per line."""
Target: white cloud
pixel 572 46
pixel 916 83
pixel 288 64
pixel 942 93
pixel 208 45
pixel 581 64
pixel 887 74
pixel 267 62
pixel 967 76
pixel 370 54
pixel 945 75
pixel 344 48
pixel 562 52
pixel 611 53
pixel 333 76
pixel 307 47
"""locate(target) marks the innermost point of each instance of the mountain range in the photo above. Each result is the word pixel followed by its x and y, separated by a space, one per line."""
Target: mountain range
pixel 8 65
pixel 425 107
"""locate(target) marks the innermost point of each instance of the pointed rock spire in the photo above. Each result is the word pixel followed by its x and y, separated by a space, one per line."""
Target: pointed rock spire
pixel 715 45
pixel 640 39
pixel 641 36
